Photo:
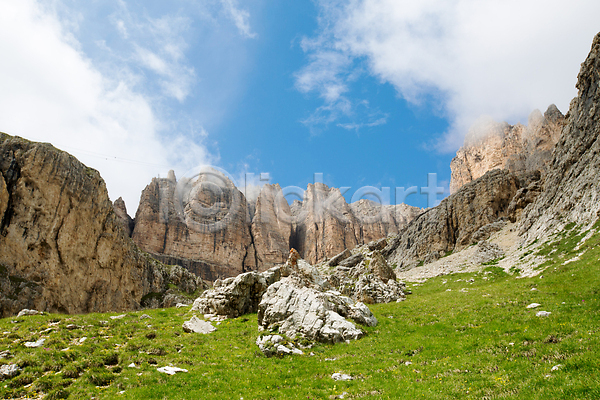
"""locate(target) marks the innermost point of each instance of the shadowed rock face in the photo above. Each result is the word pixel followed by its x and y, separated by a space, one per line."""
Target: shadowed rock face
pixel 571 192
pixel 490 145
pixel 62 247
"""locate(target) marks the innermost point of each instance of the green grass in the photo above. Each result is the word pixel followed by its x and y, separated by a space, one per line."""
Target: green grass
pixel 479 344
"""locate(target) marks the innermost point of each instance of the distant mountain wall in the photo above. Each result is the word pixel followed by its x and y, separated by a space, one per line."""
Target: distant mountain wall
pixel 207 226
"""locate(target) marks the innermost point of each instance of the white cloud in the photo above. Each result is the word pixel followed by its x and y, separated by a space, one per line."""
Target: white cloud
pixel 501 58
pixel 157 45
pixel 239 17
pixel 50 91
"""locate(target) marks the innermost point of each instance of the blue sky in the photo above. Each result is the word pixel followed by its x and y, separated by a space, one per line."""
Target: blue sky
pixel 376 92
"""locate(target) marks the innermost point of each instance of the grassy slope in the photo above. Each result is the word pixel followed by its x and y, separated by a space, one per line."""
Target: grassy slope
pixel 478 344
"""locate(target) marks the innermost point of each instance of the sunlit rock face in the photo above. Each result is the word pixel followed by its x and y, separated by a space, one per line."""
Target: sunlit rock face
pixel 201 222
pixel 498 145
pixel 62 246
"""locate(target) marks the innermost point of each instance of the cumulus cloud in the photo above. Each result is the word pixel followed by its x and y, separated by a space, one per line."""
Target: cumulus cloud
pixel 239 17
pixel 50 91
pixel 501 58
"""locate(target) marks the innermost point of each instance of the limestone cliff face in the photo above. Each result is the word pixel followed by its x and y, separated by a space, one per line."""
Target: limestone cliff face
pixel 62 247
pixel 271 229
pixel 202 224
pixel 320 226
pixel 518 148
pixel 323 224
pixel 570 191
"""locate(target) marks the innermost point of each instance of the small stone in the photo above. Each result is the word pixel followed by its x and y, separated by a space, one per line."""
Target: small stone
pixel 197 325
pixel 408 363
pixel 556 367
pixel 341 377
pixel 132 365
pixel 9 371
pixel 534 305
pixel 72 326
pixel 180 305
pixel 543 313
pixel 171 370
pixel 5 354
pixel 35 344
pixel 25 312
pixel 118 316
pixel 533 289
pixel 145 316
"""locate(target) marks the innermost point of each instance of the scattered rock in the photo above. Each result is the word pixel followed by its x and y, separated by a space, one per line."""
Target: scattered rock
pixel 35 344
pixel 377 244
pixel 171 370
pixel 341 377
pixel 486 231
pixel 335 260
pixel 118 316
pixel 72 327
pixel 543 313
pixel 352 260
pixel 180 305
pixel 272 345
pixel 25 312
pixel 534 305
pixel 487 252
pixel 196 325
pixel 145 316
pixel 9 371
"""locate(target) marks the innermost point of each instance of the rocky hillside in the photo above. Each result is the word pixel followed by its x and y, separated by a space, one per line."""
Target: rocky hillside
pixel 62 247
pixel 517 148
pixel 208 227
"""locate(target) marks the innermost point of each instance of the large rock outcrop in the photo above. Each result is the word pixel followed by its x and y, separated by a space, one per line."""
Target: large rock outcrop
pixel 517 148
pixel 571 192
pixel 62 246
pixel 301 305
pixel 202 224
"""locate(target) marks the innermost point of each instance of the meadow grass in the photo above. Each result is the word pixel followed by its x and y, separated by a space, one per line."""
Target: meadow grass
pixel 451 339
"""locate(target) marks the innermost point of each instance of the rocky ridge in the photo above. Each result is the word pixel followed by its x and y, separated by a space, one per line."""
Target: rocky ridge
pixel 62 246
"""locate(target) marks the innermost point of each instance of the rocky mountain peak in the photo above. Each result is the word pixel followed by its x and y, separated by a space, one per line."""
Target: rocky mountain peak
pixel 489 145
